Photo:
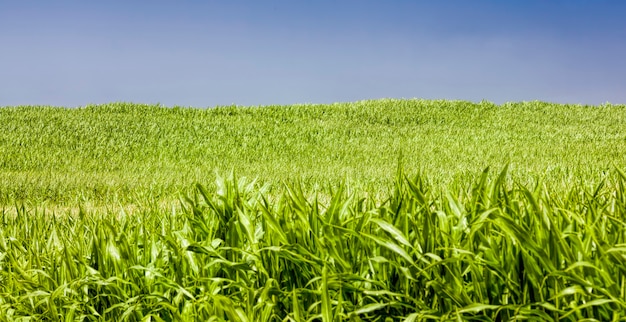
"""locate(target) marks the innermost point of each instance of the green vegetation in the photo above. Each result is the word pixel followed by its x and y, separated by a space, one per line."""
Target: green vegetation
pixel 115 212
pixel 492 251
pixel 129 153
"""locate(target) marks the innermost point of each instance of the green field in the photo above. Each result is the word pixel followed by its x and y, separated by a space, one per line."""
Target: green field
pixel 367 211
pixel 128 153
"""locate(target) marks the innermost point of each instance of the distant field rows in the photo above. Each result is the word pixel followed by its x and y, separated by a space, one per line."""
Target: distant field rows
pixel 128 153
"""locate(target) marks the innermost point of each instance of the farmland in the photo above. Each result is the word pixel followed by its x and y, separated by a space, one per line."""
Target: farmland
pixel 130 153
pixel 363 211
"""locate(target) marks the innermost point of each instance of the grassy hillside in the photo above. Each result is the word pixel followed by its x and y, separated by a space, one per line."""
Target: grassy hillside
pixel 127 153
pixel 432 239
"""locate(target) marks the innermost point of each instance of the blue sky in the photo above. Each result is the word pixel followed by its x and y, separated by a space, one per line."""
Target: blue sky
pixel 208 53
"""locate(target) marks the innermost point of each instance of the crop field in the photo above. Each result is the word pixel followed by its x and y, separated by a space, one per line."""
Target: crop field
pixel 382 210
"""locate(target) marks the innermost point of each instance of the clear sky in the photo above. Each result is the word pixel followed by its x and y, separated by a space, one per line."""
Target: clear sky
pixel 208 53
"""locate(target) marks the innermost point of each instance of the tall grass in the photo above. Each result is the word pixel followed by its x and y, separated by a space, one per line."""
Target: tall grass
pixel 489 249
pixel 128 153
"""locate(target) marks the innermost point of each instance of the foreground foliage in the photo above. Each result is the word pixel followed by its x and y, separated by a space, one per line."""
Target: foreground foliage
pixel 492 250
